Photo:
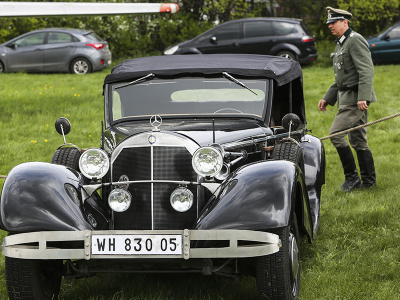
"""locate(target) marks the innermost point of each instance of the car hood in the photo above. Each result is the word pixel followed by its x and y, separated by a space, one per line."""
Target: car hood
pixel 181 44
pixel 200 131
pixel 372 40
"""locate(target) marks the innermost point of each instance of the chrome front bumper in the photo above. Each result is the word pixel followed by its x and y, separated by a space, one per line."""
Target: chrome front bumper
pixel 38 245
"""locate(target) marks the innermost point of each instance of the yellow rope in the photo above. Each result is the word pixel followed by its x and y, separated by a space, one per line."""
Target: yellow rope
pixel 360 126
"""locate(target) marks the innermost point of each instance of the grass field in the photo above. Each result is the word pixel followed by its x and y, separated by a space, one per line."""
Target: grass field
pixel 356 253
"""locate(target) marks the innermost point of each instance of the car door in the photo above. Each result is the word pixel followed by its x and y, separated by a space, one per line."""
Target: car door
pixel 388 48
pixel 26 53
pixel 223 39
pixel 58 51
pixel 258 37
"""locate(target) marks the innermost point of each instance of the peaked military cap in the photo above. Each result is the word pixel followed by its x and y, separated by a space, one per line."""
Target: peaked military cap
pixel 335 14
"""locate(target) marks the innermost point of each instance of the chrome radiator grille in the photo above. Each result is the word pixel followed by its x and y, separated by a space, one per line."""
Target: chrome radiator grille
pixel 150 208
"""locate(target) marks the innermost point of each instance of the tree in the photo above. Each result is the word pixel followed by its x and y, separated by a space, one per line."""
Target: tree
pixel 378 16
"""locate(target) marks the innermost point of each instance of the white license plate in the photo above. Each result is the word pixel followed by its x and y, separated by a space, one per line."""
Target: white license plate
pixel 136 244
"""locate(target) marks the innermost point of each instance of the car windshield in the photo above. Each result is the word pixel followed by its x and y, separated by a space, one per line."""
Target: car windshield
pixel 188 96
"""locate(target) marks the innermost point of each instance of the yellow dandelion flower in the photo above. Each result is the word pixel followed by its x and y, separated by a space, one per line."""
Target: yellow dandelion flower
pixel 75 95
pixel 90 135
pixel 33 142
pixel 45 140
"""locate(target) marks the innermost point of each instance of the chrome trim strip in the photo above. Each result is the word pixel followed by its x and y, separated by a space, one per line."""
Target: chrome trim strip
pixel 211 186
pixel 258 140
pixel 152 185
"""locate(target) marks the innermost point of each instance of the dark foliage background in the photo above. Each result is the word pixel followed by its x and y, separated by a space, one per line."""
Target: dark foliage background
pixel 143 35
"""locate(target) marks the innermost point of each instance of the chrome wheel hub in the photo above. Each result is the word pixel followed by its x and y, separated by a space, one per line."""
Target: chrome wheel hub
pixel 81 67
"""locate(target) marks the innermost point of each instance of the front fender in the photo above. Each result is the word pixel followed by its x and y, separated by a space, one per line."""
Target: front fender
pixel 314 169
pixel 258 196
pixel 35 198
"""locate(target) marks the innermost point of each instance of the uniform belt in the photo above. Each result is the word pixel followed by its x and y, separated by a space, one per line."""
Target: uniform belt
pixel 349 87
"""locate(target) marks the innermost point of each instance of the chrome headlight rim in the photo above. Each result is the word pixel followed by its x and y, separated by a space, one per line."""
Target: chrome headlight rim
pixel 101 170
pixel 188 196
pixel 217 164
pixel 126 196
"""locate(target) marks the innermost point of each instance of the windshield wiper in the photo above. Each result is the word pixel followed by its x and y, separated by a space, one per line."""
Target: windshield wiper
pixel 151 75
pixel 230 77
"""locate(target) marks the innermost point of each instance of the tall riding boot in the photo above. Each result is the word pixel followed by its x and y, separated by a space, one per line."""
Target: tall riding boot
pixel 352 181
pixel 367 168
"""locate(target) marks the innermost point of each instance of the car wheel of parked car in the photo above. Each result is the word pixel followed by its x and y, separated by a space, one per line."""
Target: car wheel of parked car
pixel 287 54
pixel 1 67
pixel 278 275
pixel 32 278
pixel 289 151
pixel 68 157
pixel 80 66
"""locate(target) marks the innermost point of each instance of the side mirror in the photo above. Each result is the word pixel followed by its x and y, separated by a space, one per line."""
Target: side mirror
pixel 63 126
pixel 291 122
pixel 386 38
pixel 12 46
pixel 213 40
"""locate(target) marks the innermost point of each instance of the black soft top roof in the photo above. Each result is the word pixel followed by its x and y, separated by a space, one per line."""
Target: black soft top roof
pixel 280 69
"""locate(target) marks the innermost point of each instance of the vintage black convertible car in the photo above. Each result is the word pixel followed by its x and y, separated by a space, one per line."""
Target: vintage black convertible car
pixel 205 164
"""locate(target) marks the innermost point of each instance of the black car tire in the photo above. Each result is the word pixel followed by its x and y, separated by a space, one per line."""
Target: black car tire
pixel 33 279
pixel 68 157
pixel 278 274
pixel 289 151
pixel 1 67
pixel 80 66
pixel 287 54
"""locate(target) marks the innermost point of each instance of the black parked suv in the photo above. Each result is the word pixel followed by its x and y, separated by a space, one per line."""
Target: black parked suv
pixel 289 38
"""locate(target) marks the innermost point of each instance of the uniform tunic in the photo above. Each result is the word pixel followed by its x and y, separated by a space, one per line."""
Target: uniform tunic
pixel 354 75
pixel 352 65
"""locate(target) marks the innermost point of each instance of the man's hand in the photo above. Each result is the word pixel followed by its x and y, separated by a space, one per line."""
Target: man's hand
pixel 362 105
pixel 322 104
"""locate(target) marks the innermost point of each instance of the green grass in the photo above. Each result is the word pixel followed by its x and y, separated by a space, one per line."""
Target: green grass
pixel 356 253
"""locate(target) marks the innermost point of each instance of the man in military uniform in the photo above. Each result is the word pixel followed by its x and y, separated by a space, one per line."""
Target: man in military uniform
pixel 353 90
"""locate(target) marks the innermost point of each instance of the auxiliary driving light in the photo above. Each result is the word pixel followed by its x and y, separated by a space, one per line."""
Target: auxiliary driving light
pixel 181 199
pixel 119 200
pixel 94 163
pixel 207 161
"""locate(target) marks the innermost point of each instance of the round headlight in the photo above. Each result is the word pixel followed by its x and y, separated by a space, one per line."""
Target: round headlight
pixel 119 200
pixel 181 199
pixel 207 161
pixel 94 163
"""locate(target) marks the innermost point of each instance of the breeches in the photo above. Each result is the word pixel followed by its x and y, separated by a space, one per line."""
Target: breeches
pixel 350 116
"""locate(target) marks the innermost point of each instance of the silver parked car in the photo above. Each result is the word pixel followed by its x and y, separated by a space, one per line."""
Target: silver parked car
pixel 55 50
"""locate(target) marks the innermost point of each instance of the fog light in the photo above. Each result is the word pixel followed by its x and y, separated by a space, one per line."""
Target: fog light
pixel 119 200
pixel 181 199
